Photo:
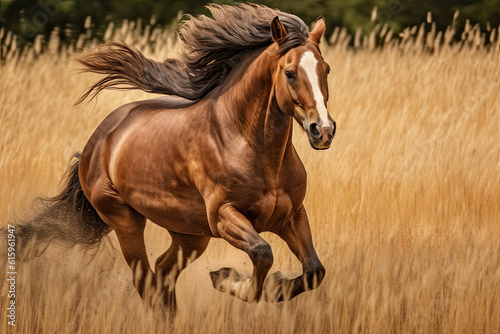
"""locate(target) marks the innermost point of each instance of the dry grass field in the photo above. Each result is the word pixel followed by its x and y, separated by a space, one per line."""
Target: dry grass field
pixel 408 225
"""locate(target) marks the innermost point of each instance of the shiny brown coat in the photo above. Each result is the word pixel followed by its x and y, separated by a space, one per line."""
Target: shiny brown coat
pixel 222 167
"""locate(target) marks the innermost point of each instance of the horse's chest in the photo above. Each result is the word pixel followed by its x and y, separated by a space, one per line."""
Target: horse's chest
pixel 268 211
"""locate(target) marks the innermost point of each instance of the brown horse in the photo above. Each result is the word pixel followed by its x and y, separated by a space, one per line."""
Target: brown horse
pixel 216 160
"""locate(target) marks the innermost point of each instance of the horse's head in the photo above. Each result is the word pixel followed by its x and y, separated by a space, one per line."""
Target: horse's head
pixel 302 85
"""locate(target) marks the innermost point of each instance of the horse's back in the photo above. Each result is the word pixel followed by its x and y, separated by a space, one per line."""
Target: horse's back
pixel 115 118
pixel 166 102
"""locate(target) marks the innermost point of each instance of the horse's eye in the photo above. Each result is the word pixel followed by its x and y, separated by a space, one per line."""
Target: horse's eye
pixel 289 74
pixel 328 70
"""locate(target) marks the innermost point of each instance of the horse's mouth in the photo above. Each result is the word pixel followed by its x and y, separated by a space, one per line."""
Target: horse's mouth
pixel 319 144
pixel 318 141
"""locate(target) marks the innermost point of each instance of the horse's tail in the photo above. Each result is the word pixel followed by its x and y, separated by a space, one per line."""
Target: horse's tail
pixel 68 216
pixel 126 67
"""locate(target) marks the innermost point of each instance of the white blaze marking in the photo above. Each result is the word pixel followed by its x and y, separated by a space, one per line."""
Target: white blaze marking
pixel 309 63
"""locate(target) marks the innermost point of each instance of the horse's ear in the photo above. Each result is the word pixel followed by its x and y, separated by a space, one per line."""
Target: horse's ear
pixel 318 31
pixel 278 30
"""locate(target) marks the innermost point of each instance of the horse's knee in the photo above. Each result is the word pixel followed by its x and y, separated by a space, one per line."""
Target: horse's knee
pixel 261 255
pixel 314 276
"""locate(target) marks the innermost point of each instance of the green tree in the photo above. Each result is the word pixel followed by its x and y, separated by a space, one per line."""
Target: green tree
pixel 27 18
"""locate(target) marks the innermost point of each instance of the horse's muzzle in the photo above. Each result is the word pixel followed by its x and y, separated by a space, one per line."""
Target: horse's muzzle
pixel 321 136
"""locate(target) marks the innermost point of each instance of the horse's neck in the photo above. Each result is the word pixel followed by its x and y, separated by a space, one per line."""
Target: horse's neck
pixel 254 111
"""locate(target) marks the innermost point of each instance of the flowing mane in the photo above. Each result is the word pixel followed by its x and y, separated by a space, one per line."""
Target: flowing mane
pixel 210 48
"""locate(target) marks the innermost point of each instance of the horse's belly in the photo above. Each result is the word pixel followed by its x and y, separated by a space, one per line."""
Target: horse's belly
pixel 182 212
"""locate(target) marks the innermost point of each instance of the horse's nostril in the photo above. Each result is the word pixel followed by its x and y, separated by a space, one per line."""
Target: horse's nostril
pixel 314 130
pixel 334 129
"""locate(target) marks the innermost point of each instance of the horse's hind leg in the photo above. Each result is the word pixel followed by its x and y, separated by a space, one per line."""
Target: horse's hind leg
pixel 131 240
pixel 240 233
pixel 184 248
pixel 298 237
pixel 129 226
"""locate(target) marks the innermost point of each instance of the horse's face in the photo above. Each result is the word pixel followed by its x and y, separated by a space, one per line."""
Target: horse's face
pixel 302 85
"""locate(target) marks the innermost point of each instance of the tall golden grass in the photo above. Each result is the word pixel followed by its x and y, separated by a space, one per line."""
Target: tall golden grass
pixel 407 226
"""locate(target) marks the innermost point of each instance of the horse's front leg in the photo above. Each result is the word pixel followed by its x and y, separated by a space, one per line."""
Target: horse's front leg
pixel 298 237
pixel 240 233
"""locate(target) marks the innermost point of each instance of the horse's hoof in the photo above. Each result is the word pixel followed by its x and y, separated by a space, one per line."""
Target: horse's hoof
pixel 277 288
pixel 228 280
pixel 219 276
pixel 276 295
pixel 277 277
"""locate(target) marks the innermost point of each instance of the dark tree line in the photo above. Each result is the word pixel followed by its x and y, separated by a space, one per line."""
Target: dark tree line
pixel 27 18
